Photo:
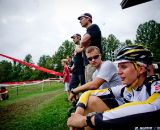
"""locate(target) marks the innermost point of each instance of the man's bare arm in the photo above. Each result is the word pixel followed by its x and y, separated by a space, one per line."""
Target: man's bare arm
pixel 85 41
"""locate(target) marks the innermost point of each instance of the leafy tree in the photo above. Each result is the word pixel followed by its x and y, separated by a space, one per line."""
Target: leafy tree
pixel 128 42
pixel 109 46
pixel 156 50
pixel 65 49
pixel 36 75
pixel 16 70
pixel 148 34
pixel 28 58
pixel 27 72
pixel 47 62
pixel 5 71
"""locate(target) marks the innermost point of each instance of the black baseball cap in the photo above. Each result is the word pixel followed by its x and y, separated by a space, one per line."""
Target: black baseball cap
pixel 87 15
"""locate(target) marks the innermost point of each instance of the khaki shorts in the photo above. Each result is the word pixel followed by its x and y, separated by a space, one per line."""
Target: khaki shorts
pixel 89 70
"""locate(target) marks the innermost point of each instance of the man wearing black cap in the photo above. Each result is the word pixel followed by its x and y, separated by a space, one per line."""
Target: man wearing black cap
pixel 93 32
pixel 78 75
pixel 92 37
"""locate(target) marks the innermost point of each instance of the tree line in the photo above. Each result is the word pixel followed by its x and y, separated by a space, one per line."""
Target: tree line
pixel 148 34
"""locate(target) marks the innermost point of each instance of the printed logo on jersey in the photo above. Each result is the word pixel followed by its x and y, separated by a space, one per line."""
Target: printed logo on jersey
pixel 157 88
pixel 128 97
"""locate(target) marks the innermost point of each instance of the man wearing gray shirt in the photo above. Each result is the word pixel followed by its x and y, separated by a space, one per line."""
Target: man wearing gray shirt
pixel 105 75
pixel 108 72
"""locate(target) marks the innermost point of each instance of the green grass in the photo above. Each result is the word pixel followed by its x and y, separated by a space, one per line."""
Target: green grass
pixel 34 109
pixel 23 92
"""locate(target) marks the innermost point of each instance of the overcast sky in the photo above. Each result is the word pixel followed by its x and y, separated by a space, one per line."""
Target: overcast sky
pixel 39 27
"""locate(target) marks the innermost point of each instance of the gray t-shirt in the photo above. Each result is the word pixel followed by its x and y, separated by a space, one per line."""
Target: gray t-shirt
pixel 108 72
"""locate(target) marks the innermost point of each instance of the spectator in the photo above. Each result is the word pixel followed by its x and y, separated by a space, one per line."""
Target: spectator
pixel 92 37
pixel 70 61
pixel 105 75
pixel 78 67
pixel 141 94
pixel 157 69
pixel 154 69
pixel 66 75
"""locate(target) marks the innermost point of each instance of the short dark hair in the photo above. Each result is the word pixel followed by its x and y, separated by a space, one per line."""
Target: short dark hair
pixel 92 48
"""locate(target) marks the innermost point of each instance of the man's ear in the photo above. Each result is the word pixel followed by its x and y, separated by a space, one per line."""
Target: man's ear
pixel 142 69
pixel 100 55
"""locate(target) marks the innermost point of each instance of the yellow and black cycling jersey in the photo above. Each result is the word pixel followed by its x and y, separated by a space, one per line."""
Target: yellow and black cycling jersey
pixel 132 104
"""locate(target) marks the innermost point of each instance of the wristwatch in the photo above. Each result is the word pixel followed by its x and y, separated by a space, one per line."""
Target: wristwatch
pixel 73 91
pixel 88 119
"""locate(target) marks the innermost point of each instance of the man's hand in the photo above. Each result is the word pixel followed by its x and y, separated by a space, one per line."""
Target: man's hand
pixel 72 96
pixel 79 49
pixel 77 120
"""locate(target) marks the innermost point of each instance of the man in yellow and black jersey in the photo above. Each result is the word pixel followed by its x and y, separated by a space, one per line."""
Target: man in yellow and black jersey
pixel 136 103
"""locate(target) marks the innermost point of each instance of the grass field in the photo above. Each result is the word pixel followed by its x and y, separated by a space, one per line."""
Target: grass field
pixel 30 108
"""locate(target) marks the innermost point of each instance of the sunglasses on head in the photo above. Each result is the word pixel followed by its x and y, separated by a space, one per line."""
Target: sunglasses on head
pixel 93 57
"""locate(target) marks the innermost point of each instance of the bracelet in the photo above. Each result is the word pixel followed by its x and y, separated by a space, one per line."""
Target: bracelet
pixel 89 122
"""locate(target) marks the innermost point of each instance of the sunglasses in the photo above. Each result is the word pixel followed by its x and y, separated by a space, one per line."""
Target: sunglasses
pixel 93 57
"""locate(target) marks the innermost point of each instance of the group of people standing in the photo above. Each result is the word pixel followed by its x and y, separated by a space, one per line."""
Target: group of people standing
pixel 81 69
pixel 126 97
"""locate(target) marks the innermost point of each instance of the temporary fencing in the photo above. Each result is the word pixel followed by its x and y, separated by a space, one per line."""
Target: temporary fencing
pixel 29 83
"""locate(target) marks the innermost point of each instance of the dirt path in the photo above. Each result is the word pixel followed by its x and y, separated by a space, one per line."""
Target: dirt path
pixel 25 106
